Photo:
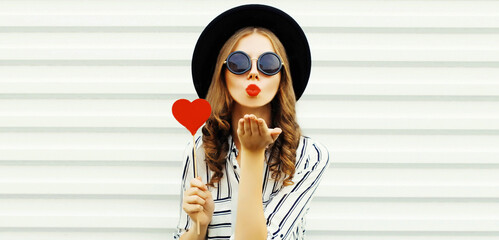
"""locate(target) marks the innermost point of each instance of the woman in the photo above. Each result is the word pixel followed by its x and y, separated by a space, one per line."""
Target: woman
pixel 260 173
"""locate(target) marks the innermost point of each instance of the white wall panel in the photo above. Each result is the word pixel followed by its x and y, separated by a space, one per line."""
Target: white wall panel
pixel 404 93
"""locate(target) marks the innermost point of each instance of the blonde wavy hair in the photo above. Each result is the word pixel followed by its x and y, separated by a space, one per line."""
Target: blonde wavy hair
pixel 283 115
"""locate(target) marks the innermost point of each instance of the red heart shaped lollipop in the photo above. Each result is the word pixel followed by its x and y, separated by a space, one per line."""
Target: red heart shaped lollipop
pixel 191 115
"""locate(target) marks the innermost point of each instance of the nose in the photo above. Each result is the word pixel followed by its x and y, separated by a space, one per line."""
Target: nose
pixel 253 73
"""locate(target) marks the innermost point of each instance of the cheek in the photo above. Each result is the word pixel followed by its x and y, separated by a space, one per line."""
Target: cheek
pixel 232 83
pixel 275 82
pixel 229 82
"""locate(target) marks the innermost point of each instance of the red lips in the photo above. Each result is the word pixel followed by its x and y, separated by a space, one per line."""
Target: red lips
pixel 253 90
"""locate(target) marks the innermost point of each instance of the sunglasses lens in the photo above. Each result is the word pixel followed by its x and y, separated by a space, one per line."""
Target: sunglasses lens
pixel 238 63
pixel 269 64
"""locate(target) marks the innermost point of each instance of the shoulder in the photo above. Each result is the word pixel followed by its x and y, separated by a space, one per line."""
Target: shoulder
pixel 310 146
pixel 199 148
pixel 198 140
pixel 311 153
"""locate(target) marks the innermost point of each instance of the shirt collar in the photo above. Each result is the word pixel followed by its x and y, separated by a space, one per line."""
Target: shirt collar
pixel 232 147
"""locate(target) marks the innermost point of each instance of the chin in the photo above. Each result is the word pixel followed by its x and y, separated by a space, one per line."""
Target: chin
pixel 251 102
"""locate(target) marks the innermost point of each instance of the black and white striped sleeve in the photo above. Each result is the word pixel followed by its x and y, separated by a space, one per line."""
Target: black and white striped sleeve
pixel 286 211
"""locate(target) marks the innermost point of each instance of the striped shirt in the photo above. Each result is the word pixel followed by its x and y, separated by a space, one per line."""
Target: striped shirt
pixel 285 208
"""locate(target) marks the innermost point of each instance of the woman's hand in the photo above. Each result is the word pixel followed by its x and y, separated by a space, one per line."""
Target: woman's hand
pixel 198 202
pixel 254 134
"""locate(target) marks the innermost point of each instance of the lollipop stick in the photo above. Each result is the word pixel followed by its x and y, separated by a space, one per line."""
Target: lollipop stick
pixel 195 164
pixel 195 169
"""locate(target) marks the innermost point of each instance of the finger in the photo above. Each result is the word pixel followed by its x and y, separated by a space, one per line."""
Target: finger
pixel 274 133
pixel 262 126
pixel 192 208
pixel 247 125
pixel 254 125
pixel 194 191
pixel 209 196
pixel 240 127
pixel 196 182
pixel 195 199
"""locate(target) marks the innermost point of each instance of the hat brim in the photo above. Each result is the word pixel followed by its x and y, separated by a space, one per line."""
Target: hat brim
pixel 220 29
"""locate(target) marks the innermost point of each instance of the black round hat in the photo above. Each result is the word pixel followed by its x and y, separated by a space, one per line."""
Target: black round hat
pixel 220 29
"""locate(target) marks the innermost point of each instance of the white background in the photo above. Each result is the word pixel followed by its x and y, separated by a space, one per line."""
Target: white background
pixel 405 95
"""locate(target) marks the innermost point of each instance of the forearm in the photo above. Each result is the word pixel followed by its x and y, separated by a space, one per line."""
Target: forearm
pixel 250 218
pixel 192 233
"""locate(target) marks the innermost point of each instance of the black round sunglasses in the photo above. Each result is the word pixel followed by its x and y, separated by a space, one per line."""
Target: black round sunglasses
pixel 269 63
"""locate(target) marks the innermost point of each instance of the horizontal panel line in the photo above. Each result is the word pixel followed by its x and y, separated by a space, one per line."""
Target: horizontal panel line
pixel 169 230
pixel 95 129
pixel 345 158
pixel 97 62
pixel 413 165
pixel 316 198
pixel 326 122
pixel 408 199
pixel 399 132
pixel 335 165
pixel 91 196
pixel 418 98
pixel 323 63
pixel 337 224
pixel 410 233
pixel 181 86
pixel 107 29
pixel 305 96
pixel 86 229
pixel 98 96
pixel 408 224
pixel 432 30
pixel 416 64
pixel 308 131
pixel 117 162
pixel 199 29
pixel 344 189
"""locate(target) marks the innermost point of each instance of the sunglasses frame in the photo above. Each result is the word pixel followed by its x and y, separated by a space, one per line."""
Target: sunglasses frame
pixel 281 64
